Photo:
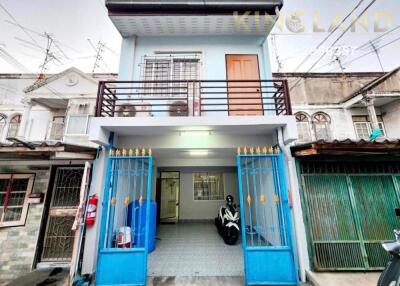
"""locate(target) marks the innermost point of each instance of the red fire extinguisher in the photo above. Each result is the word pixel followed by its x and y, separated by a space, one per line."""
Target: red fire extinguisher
pixel 91 210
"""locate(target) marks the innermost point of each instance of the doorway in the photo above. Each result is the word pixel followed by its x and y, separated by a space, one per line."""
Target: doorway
pixel 169 197
pixel 64 202
pixel 244 98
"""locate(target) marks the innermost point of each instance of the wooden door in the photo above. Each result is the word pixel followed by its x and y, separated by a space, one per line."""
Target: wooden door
pixel 244 98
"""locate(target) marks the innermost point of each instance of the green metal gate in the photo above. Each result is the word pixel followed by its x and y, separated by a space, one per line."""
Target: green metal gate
pixel 348 216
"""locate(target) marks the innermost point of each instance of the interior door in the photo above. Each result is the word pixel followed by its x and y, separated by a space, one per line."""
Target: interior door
pixel 244 98
pixel 169 196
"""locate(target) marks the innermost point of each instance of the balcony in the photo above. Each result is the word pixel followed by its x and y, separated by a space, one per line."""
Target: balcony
pixel 193 98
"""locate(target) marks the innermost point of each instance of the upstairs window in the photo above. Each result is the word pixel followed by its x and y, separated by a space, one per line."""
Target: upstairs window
pixel 3 123
pixel 363 126
pixel 77 124
pixel 321 125
pixel 303 127
pixel 13 127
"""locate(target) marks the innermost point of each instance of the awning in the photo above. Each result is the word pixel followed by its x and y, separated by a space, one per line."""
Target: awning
pixel 380 147
pixel 45 150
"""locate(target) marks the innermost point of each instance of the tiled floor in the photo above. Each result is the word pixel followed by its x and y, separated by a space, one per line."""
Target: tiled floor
pixel 194 249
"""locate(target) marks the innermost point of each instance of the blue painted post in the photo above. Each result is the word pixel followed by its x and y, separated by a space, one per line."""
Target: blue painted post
pixel 105 204
pixel 246 168
pixel 242 206
pixel 148 200
pixel 255 200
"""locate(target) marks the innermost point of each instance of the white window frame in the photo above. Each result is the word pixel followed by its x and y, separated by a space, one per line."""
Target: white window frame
pixel 88 116
pixel 369 128
pixel 209 200
pixel 24 212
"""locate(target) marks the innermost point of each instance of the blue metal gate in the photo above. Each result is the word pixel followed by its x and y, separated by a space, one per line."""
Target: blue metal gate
pixel 265 219
pixel 124 231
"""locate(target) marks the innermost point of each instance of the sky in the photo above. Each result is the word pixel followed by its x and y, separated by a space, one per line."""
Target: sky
pixel 77 29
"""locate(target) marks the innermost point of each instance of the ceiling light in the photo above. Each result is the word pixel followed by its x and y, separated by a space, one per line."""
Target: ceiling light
pixel 198 153
pixel 195 133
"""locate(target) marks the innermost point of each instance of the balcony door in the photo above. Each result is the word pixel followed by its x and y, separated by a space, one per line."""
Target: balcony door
pixel 244 98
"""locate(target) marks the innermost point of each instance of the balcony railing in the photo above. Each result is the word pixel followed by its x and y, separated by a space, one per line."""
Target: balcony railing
pixel 193 98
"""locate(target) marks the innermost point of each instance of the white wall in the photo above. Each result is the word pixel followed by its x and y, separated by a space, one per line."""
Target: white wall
pixel 213 50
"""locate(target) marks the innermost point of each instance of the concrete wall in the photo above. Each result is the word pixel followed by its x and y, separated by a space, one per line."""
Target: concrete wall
pixel 325 88
pixel 189 209
pixel 391 119
pixel 18 244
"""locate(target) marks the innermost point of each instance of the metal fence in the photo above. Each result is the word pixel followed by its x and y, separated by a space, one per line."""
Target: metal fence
pixel 193 98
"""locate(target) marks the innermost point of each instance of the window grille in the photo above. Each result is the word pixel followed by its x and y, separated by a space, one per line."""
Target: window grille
pixel 209 186
pixel 14 191
pixel 321 124
pixel 77 124
pixel 3 123
pixel 13 127
pixel 350 167
pixel 363 126
pixel 57 128
pixel 303 127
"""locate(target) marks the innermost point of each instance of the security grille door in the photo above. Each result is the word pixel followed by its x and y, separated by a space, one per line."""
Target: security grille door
pixel 333 229
pixel 265 221
pixel 59 239
pixel 125 221
pixel 350 215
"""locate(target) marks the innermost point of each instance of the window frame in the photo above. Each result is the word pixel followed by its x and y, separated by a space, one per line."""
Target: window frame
pixel 25 205
pixel 303 118
pixel 88 117
pixel 369 128
pixel 327 125
pixel 11 123
pixel 209 200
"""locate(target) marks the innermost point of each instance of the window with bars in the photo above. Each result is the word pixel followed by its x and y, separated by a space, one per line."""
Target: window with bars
pixel 303 127
pixel 172 67
pixel 363 126
pixel 209 186
pixel 321 125
pixel 3 123
pixel 14 192
pixel 13 126
pixel 77 124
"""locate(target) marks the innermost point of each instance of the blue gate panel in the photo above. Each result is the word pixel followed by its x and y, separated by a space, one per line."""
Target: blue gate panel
pixel 274 267
pixel 125 234
pixel 110 272
pixel 266 220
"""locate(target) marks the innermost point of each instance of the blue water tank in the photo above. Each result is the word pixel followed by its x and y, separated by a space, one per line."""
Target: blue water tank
pixel 140 223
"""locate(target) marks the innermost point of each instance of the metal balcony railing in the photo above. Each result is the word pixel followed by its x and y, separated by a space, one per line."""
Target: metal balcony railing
pixel 193 98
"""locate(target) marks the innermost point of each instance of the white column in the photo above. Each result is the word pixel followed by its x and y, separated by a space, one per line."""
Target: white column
pixel 127 58
pixel 25 118
pixel 369 101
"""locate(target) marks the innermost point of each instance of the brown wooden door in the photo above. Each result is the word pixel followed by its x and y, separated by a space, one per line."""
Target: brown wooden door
pixel 244 98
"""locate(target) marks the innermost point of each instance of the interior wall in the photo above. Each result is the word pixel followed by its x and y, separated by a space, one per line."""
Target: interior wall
pixel 189 209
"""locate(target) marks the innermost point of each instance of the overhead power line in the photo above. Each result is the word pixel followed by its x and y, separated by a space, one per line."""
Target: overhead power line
pixel 328 36
pixel 337 40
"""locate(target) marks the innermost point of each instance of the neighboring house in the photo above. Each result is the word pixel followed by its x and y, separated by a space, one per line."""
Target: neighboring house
pixel 349 183
pixel 195 83
pixel 43 151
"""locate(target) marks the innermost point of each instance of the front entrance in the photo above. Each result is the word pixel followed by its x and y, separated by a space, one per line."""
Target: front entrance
pixel 244 98
pixel 125 220
pixel 65 198
pixel 349 210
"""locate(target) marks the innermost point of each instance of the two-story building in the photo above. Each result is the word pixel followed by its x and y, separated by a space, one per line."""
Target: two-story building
pixel 44 147
pixel 194 116
pixel 349 175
